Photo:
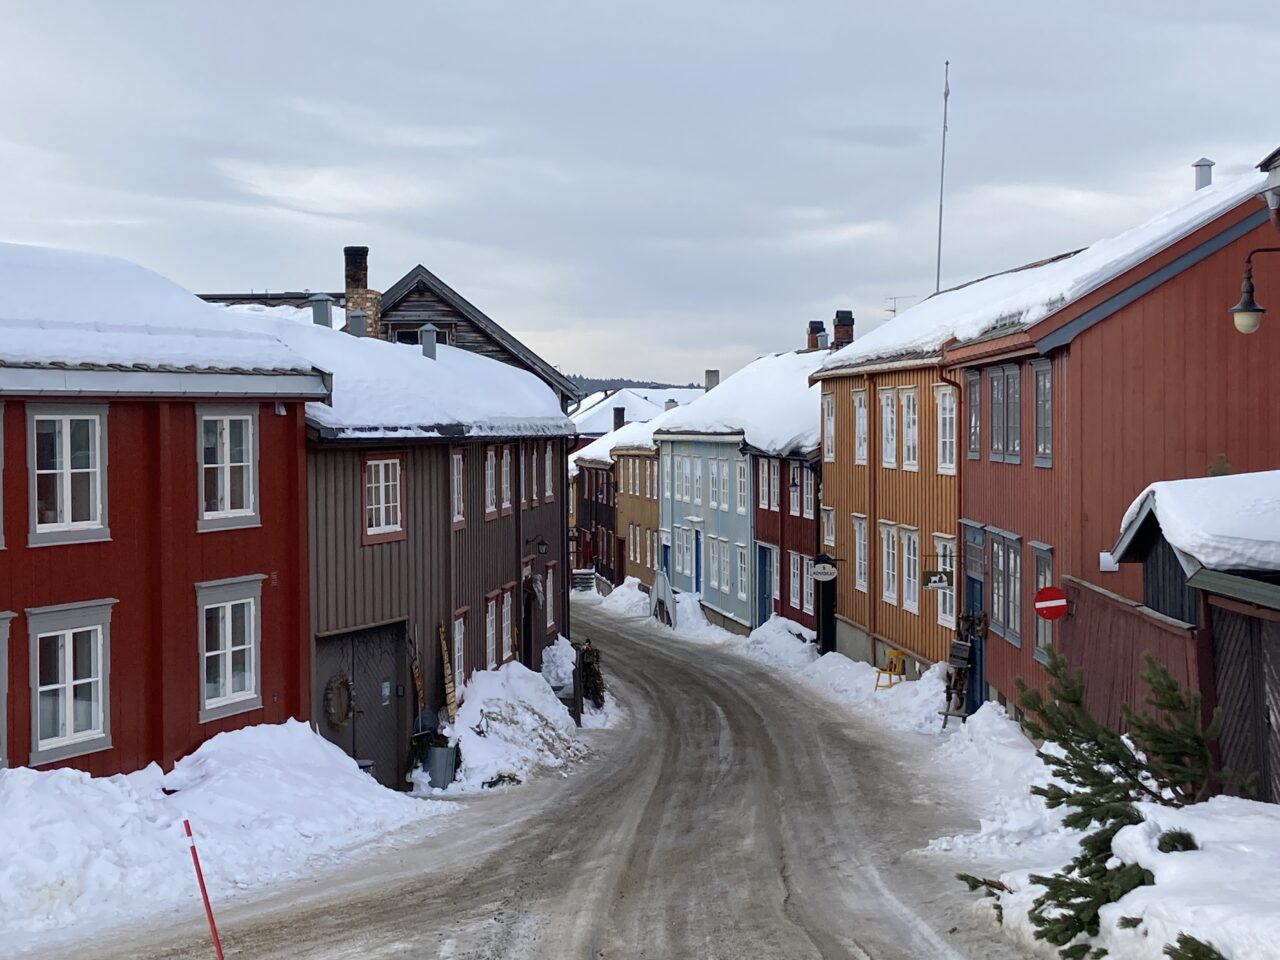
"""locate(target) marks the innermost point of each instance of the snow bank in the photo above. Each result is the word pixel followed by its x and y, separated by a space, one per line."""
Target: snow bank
pixel 558 662
pixel 1224 523
pixel 510 724
pixel 264 803
pixel 788 423
pixel 627 599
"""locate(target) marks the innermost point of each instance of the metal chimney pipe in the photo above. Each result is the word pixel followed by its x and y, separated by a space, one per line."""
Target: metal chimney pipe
pixel 428 334
pixel 321 309
pixel 355 323
pixel 711 379
pixel 1204 172
pixel 670 405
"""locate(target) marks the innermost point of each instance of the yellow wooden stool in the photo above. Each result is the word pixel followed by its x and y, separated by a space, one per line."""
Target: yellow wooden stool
pixel 894 669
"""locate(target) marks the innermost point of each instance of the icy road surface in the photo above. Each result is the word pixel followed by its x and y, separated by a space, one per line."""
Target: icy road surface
pixel 733 817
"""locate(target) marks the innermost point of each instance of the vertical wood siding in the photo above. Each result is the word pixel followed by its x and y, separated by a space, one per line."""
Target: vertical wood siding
pixel 788 534
pixel 636 511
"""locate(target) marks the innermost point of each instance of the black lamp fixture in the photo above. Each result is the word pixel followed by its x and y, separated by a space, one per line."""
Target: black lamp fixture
pixel 541 542
pixel 1247 314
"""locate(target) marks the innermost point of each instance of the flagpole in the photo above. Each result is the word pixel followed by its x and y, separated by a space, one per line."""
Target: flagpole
pixel 942 176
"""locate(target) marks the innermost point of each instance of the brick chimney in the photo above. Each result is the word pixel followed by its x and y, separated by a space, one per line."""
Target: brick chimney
pixel 359 296
pixel 619 417
pixel 817 338
pixel 842 326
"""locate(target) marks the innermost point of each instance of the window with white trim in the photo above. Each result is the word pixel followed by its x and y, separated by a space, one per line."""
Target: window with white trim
pixel 648 548
pixel 382 496
pixel 726 580
pixel 809 483
pixel 944 548
pixel 888 563
pixel 910 570
pixel 490 481
pixel 776 565
pixel 507 638
pixel 68 482
pixel 457 497
pixel 714 558
pixel 506 478
pixel 713 493
pixel 550 591
pixel 491 632
pixel 70 650
pixel 794 599
pixel 687 464
pixel 230 646
pixel 944 399
pixel 762 497
pixel 666 476
pixel 549 468
pixel 743 500
pixel 742 573
pixel 860 426
pixel 1044 578
pixel 524 488
pixel 888 429
pixel 773 484
pixel 860 559
pixel 1043 372
pixel 228 482
pixel 724 486
pixel 973 383
pixel 828 428
pixel 678 535
pixel 533 473
pixel 794 487
pixel 697 481
pixel 828 526
pixel 910 401
pixel 808 584
pixel 459 649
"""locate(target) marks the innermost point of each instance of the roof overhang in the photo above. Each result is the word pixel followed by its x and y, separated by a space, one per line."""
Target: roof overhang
pixel 74 382
pixel 693 436
pixel 877 366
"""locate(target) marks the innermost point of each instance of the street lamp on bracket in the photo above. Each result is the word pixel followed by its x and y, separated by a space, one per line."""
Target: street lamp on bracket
pixel 1247 314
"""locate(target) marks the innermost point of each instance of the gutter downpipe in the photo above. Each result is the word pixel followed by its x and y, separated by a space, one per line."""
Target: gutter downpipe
pixel 873 507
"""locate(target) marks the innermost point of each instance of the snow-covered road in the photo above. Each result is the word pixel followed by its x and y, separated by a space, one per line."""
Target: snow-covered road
pixel 733 816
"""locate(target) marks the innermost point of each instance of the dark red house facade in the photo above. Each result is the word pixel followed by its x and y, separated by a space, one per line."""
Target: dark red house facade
pixel 787 538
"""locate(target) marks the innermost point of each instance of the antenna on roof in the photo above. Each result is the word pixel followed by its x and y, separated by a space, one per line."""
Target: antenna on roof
pixel 942 175
pixel 892 309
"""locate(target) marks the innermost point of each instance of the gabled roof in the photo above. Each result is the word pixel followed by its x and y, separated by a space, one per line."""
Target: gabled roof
pixel 421 275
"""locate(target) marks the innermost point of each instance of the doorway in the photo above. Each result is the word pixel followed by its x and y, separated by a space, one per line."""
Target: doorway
pixel 697 561
pixel 764 583
pixel 974 600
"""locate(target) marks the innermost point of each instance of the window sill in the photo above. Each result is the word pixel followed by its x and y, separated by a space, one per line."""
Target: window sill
pixel 860 587
pixel 66 751
pixel 458 525
pixel 58 538
pixel 214 524
pixel 911 467
pixel 373 537
pixel 1041 655
pixel 1045 462
pixel 947 471
pixel 948 624
pixel 911 610
pixel 230 709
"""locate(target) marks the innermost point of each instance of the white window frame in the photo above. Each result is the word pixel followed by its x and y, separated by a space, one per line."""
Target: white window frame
pixel 508 601
pixel 713 493
pixel 666 476
pixel 524 486
pixel 490 481
pixel 793 487
pixel 944 400
pixel 762 499
pixel 910 569
pixel 65 620
pixel 860 439
pixel 742 573
pixel 247 516
pixel 713 572
pixel 776 591
pixel 697 481
pixel 724 486
pixel 828 428
pixel 459 650
pixel 807 578
pixel 774 481
pixel 909 399
pixel 506 478
pixel 828 526
pixel 64 530
pixel 223 594
pixel 861 560
pixel 810 484
pixel 549 595
pixel 944 549
pixel 888 428
pixel 6 616
pixel 794 598
pixel 491 631
pixel 726 584
pixel 889 563
pixel 457 480
pixel 382 475
pixel 687 471
pixel 678 536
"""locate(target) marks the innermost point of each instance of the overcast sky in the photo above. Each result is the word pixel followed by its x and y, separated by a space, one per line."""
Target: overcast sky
pixel 638 190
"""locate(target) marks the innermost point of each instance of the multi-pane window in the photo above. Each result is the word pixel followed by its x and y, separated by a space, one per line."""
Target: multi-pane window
pixel 666 475
pixel 549 482
pixel 997 414
pixel 524 489
pixel 795 580
pixel 945 549
pixel 944 399
pixel 533 473
pixel 68 472
pixel 382 496
pixel 859 426
pixel 490 481
pixel 713 491
pixel 911 571
pixel 808 584
pixel 974 386
pixel 1006 414
pixel 679 550
pixel 828 526
pixel 776 577
pixel 795 489
pixel 1044 412
pixel 860 558
pixel 1006 587
pixel 697 481
pixel 724 485
pixel 648 549
pixel 773 484
pixel 742 573
pixel 551 594
pixel 506 478
pixel 910 428
pixel 1044 578
pixel 506 623
pixel 742 486
pixel 69 695
pixel 726 584
pixel 227 471
pixel 888 563
pixel 810 484
pixel 230 652
pixel 714 573
pixel 491 632
pixel 763 482
pixel 687 472
pixel 888 429
pixel 828 427
pixel 458 499
pixel 459 648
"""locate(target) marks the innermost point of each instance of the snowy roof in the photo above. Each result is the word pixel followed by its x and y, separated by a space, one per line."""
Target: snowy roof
pixel 595 416
pixel 769 402
pixel 637 435
pixel 65 309
pixel 286 311
pixel 1223 523
pixel 1021 297
pixel 389 390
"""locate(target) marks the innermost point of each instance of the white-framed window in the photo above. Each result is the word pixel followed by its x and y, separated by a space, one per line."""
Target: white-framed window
pixel 810 483
pixel 808 584
pixel 687 464
pixel 228 474
pixel 550 587
pixel 973 386
pixel 524 487
pixel 828 428
pixel 230 646
pixel 68 482
pixel 678 534
pixel 713 493
pixel 490 481
pixel 828 526
pixel 794 598
pixel 726 579
pixel 888 563
pixel 70 651
pixel 666 476
pixel 533 473
pixel 724 486
pixel 944 400
pixel 459 649
pixel 910 401
pixel 742 573
pixel 457 496
pixel 714 563
pixel 1043 372
pixel 491 632
pixel 860 426
pixel 944 548
pixel 506 625
pixel 506 478
pixel 910 570
pixel 776 565
pixel 794 487
pixel 762 496
pixel 648 549
pixel 773 484
pixel 648 479
pixel 888 429
pixel 382 496
pixel 697 481
pixel 860 559
pixel 1044 578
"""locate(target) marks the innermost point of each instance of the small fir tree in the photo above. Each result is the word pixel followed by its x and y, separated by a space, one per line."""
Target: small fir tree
pixel 1189 948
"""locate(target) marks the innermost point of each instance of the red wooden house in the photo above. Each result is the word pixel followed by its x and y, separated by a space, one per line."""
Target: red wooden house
pixel 153 538
pixel 787 537
pixel 1084 379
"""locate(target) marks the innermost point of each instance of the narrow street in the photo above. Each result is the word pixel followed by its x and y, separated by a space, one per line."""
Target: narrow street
pixel 724 820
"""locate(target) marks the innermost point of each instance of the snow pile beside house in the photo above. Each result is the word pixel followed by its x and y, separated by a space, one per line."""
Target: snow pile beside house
pixel 558 662
pixel 627 599
pixel 264 803
pixel 510 724
pixel 788 422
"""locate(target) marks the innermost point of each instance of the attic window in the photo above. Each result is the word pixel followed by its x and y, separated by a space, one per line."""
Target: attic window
pixel 408 335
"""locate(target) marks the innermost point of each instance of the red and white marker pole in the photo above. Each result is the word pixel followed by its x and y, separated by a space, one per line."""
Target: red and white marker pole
pixel 204 894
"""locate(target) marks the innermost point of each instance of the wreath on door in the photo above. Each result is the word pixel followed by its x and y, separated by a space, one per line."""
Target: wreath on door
pixel 338 700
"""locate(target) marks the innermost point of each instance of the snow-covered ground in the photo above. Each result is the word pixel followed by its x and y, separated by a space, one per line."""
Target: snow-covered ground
pixel 1226 893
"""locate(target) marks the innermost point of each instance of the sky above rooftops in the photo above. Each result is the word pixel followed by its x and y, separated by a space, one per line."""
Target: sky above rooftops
pixel 611 182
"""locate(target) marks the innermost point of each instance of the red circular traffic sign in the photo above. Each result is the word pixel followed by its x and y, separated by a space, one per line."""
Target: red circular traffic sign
pixel 1050 603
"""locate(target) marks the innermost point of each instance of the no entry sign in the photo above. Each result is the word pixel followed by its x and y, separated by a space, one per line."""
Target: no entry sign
pixel 1050 602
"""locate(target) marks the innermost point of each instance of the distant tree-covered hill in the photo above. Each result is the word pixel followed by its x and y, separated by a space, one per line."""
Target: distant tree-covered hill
pixel 592 384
